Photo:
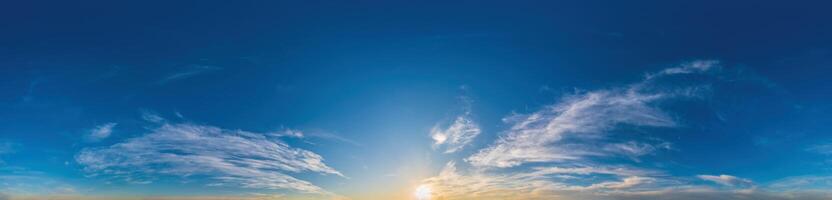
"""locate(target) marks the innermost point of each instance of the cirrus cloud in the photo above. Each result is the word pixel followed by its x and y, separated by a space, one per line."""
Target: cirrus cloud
pixel 727 180
pixel 101 132
pixel 562 131
pixel 457 135
pixel 226 157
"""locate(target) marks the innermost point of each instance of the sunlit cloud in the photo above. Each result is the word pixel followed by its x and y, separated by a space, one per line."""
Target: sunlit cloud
pixel 566 137
pixel 454 137
pixel 727 180
pixel 537 183
pixel 555 153
pixel 799 183
pixel 228 157
pixel 460 132
pixel 15 181
pixel 550 134
pixel 635 149
pixel 83 197
pixel 570 183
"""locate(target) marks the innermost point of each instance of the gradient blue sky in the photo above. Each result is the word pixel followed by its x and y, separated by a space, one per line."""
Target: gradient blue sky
pixel 376 99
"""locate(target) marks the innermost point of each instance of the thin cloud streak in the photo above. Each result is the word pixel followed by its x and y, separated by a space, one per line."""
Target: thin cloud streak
pixel 227 157
pixel 537 183
pixel 195 70
pixel 727 180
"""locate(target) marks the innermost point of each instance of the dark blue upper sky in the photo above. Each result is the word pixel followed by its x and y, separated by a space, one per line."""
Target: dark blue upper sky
pixel 376 99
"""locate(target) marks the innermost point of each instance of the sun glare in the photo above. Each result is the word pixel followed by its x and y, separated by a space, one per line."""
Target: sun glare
pixel 422 192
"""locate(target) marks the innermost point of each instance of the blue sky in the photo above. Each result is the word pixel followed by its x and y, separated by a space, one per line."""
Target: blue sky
pixel 415 100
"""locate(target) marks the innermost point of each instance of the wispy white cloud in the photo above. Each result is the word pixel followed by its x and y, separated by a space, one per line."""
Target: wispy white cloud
pixel 635 149
pixel 101 132
pixel 326 135
pixel 797 183
pixel 532 137
pixel 727 180
pixel 697 66
pixel 227 157
pixel 628 182
pixel 698 193
pixel 151 116
pixel 15 181
pixel 564 130
pixel 572 141
pixel 588 182
pixel 192 71
pixel 287 132
pixel 454 137
pixel 460 132
pixel 319 134
pixel 537 183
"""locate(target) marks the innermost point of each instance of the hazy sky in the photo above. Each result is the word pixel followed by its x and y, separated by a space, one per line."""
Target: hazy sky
pixel 415 100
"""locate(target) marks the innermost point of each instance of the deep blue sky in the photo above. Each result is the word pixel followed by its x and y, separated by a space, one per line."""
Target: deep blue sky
pixel 85 87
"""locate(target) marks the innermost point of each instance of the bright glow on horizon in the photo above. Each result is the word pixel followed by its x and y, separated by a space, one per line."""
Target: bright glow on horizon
pixel 422 192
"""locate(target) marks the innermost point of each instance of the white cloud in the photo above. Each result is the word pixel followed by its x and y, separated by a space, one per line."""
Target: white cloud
pixel 192 71
pixel 625 183
pixel 532 137
pixel 101 132
pixel 226 157
pixel 575 145
pixel 727 180
pixel 696 66
pixel 21 181
pixel 152 117
pixel 698 193
pixel 454 137
pixel 286 132
pixel 565 131
pixel 460 132
pixel 635 149
pixel 537 183
pixel 821 183
pixel 586 170
pixel 308 134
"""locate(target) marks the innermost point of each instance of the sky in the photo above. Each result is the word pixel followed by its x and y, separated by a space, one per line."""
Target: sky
pixel 415 100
